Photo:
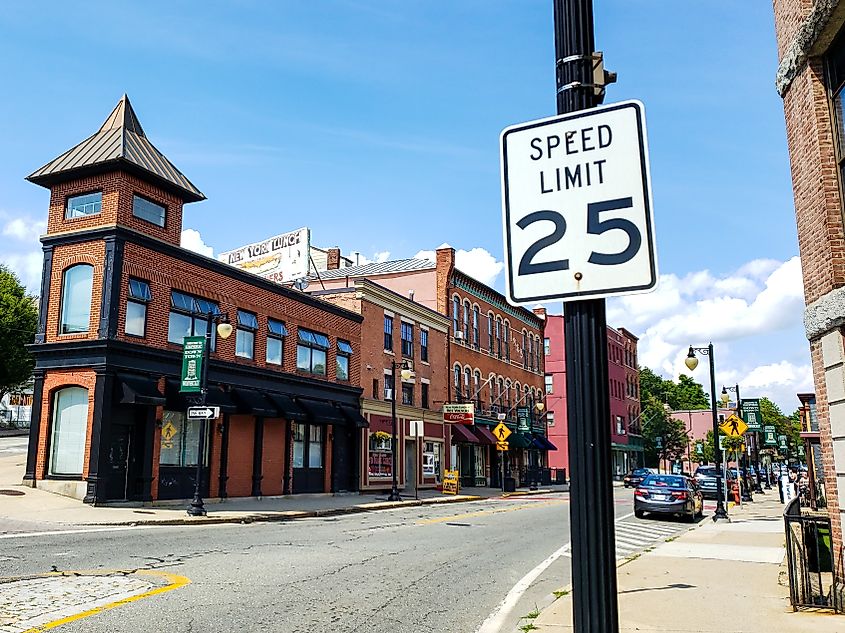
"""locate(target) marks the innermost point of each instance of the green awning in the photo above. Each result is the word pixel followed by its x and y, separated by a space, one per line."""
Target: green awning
pixel 519 440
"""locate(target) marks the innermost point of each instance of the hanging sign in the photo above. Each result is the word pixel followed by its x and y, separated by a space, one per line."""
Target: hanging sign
pixel 193 350
pixel 751 414
pixel 523 419
pixel 769 436
pixel 459 413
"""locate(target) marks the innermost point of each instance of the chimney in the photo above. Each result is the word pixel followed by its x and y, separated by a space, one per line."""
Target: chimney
pixel 540 312
pixel 445 265
pixel 333 259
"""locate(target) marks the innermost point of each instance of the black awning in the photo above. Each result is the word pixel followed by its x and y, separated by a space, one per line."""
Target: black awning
pixel 251 401
pixel 354 416
pixel 139 390
pixel 462 435
pixel 321 412
pixel 287 407
pixel 541 442
pixel 216 397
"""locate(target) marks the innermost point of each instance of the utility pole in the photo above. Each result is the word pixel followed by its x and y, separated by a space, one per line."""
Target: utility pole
pixel 585 323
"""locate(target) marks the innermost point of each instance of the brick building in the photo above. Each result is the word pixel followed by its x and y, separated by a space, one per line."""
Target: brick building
pixel 399 331
pixel 119 294
pixel 494 357
pixel 623 387
pixel 810 79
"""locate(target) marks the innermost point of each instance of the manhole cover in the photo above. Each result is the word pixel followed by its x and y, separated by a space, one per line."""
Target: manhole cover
pixel 12 493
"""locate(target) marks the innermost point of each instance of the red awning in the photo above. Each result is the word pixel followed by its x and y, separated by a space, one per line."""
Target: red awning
pixel 462 435
pixel 484 434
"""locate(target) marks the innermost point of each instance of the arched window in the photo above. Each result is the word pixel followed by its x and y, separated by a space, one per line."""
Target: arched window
pixel 456 311
pixel 458 382
pixel 498 337
pixel 77 282
pixel 475 326
pixel 507 342
pixel 70 422
pixel 466 321
pixel 477 388
pixel 467 380
pixel 490 333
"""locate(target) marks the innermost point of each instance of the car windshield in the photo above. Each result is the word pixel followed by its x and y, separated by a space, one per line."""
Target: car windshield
pixel 664 481
pixel 709 471
pixel 642 472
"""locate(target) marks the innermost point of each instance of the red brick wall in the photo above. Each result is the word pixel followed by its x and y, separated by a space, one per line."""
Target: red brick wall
pixel 118 188
pixel 273 456
pixel 241 441
pixel 64 257
pixel 53 381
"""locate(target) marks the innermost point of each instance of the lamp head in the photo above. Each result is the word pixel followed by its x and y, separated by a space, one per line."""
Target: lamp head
pixel 407 373
pixel 724 397
pixel 691 361
pixel 224 330
pixel 540 406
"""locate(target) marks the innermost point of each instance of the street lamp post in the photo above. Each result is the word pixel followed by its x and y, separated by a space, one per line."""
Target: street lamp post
pixel 406 373
pixel 691 361
pixel 224 331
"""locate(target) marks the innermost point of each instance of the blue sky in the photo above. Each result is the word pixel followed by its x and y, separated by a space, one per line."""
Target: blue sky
pixel 377 125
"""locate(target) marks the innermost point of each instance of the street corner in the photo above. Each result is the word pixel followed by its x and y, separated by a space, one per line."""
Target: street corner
pixel 30 604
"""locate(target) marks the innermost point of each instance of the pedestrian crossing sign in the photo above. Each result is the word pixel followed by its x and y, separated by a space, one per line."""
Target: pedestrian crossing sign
pixel 501 446
pixel 502 433
pixel 733 426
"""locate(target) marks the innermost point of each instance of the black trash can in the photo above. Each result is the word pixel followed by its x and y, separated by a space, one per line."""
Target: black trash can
pixel 510 484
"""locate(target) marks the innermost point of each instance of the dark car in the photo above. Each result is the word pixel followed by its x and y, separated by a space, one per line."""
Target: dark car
pixel 634 477
pixel 669 494
pixel 705 477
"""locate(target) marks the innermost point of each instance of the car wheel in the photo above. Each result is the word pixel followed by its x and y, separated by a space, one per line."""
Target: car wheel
pixel 639 514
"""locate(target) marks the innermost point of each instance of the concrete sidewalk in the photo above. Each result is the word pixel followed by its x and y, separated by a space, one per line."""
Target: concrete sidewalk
pixel 31 509
pixel 713 578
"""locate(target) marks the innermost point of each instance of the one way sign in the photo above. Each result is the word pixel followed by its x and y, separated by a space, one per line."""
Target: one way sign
pixel 203 413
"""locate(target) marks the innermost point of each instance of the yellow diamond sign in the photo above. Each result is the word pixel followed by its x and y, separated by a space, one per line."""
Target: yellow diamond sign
pixel 734 426
pixel 502 432
pixel 168 431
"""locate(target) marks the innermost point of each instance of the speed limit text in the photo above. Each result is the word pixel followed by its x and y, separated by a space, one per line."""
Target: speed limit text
pixel 581 141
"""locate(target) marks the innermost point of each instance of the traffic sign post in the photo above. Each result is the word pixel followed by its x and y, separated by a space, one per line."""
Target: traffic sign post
pixel 733 426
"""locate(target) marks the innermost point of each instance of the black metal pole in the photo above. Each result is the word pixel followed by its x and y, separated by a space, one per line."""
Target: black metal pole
pixel 394 491
pixel 197 508
pixel 588 410
pixel 720 513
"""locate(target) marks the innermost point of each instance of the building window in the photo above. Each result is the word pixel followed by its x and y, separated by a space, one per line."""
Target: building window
pixel 549 383
pixel 407 334
pixel 77 283
pixel 456 313
pixel 147 210
pixel 835 58
pixel 531 352
pixel 70 424
pixel 525 356
pixel 466 321
pixel 375 388
pixel 457 383
pixel 537 354
pixel 475 341
pixel 432 460
pixel 311 352
pixel 276 333
pixel 468 395
pixel 182 448
pixel 344 351
pixel 388 386
pixel 408 393
pixel 507 396
pixel 546 346
pixel 136 308
pixel 620 425
pixel 424 395
pixel 84 205
pixel 424 345
pixel 245 337
pixel 507 342
pixel 388 333
pixel 550 418
pixel 476 388
pixel 188 317
pixel 490 333
pixel 499 338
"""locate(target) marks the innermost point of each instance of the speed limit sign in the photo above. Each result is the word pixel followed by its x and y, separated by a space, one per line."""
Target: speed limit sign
pixel 576 205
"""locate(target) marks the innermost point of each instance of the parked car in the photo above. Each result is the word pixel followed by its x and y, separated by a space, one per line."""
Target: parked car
pixel 634 477
pixel 705 477
pixel 669 494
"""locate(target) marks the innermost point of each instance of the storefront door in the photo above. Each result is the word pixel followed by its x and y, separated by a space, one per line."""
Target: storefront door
pixel 308 463
pixel 177 469
pixel 117 481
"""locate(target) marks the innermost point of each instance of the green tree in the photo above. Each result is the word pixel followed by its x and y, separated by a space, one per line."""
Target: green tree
pixel 18 321
pixel 688 394
pixel 673 442
pixel 683 395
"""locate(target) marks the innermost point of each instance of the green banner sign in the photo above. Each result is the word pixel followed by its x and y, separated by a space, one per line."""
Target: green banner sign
pixel 523 419
pixel 193 351
pixel 751 414
pixel 782 442
pixel 769 437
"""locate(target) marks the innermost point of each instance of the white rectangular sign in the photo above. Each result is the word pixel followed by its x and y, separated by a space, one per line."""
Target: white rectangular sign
pixel 576 205
pixel 283 258
pixel 203 413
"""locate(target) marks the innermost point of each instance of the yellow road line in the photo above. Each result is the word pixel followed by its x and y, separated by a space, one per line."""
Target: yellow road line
pixel 467 515
pixel 175 582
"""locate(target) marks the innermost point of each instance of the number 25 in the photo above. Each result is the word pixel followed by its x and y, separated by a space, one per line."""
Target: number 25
pixel 595 226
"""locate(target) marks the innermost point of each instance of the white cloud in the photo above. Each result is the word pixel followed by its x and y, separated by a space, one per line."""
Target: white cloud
pixel 192 240
pixel 377 258
pixel 27 266
pixel 22 252
pixel 24 229
pixel 752 315
pixel 477 263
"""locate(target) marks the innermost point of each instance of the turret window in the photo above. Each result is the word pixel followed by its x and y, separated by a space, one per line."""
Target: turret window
pixel 84 205
pixel 149 211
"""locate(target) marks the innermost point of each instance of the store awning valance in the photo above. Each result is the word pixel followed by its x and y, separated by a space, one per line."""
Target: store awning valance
pixel 321 412
pixel 288 409
pixel 252 401
pixel 519 440
pixel 462 435
pixel 354 416
pixel 484 434
pixel 543 443
pixel 139 390
pixel 216 397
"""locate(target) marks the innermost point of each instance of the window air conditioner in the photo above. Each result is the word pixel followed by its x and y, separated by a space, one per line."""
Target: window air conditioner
pixel 388 394
pixel 459 335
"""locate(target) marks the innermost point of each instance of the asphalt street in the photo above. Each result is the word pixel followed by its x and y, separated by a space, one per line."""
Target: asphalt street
pixel 406 570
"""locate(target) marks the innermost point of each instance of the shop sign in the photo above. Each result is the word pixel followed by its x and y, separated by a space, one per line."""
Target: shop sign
pixel 193 350
pixel 523 419
pixel 380 464
pixel 782 442
pixel 450 482
pixel 751 414
pixel 459 413
pixel 283 258
pixel 769 438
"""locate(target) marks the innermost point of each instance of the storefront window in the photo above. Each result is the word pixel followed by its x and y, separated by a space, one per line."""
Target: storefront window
pixel 315 447
pixel 479 462
pixel 298 445
pixel 381 459
pixel 70 421
pixel 433 460
pixel 180 440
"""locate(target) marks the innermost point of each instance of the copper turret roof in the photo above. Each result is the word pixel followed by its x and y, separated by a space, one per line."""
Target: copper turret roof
pixel 119 143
